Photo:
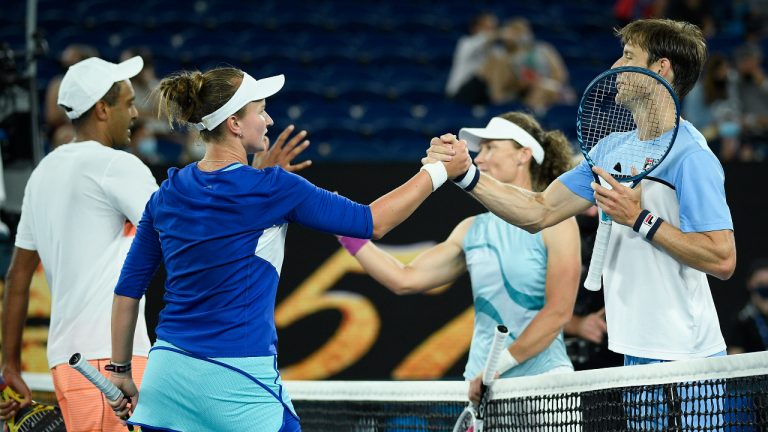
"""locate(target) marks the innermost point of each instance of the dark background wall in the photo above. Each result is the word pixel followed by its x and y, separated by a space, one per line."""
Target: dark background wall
pixel 406 322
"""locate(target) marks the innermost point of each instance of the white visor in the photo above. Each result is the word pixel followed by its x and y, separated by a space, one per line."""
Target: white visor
pixel 500 129
pixel 250 90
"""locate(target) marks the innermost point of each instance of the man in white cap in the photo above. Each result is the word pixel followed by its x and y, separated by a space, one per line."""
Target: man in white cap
pixel 74 213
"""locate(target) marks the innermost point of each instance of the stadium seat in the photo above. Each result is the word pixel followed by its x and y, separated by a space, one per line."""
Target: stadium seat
pixel 56 16
pixel 315 115
pixel 581 74
pixel 60 39
pixel 169 151
pixel 13 35
pixel 562 117
pixel 353 69
pixel 335 143
pixel 157 41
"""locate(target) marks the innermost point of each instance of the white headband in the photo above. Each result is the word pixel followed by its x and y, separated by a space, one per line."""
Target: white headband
pixel 250 90
pixel 502 129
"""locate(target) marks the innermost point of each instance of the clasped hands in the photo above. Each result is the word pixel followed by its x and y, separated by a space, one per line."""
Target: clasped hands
pixel 452 152
pixel 620 202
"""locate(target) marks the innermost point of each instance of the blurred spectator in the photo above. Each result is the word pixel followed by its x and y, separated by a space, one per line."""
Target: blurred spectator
pixel 752 91
pixel 472 51
pixel 144 83
pixel 747 19
pixel 144 143
pixel 62 135
pixel 713 107
pixel 55 117
pixel 697 12
pixel 528 70
pixel 626 11
pixel 756 19
pixel 148 131
pixel 750 333
pixel 6 245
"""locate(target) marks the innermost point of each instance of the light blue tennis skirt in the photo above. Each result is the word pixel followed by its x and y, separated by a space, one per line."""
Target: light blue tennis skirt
pixel 184 392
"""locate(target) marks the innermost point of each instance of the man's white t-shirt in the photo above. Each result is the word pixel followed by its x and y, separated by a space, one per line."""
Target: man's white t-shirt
pixel 75 206
pixel 657 307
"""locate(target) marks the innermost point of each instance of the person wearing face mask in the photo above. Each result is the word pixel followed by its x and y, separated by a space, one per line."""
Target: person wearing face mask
pixel 752 90
pixel 527 282
pixel 713 107
pixel 219 227
pixel 750 333
pixel 466 80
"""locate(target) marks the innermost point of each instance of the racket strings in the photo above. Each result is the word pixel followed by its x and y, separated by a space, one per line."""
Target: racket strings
pixel 609 131
pixel 38 418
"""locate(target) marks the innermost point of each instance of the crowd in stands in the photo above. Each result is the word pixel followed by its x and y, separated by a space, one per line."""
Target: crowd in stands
pixel 495 64
pixel 504 61
pixel 498 65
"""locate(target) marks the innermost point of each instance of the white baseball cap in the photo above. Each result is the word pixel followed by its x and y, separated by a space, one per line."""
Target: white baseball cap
pixel 86 82
pixel 502 129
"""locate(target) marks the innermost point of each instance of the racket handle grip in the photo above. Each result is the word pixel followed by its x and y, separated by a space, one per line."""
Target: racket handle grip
pixel 489 373
pixel 111 392
pixel 595 272
pixel 81 365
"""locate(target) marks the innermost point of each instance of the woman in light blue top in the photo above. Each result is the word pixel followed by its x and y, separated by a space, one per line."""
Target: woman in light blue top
pixel 527 282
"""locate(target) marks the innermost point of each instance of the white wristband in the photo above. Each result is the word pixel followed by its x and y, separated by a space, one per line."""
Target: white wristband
pixel 437 173
pixel 506 361
pixel 469 179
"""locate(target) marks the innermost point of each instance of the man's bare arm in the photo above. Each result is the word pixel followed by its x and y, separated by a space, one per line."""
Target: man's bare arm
pixel 531 211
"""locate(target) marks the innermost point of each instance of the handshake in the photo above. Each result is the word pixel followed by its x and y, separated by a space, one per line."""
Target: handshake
pixel 448 158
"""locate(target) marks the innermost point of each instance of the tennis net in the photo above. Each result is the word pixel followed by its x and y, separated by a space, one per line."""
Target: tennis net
pixel 716 394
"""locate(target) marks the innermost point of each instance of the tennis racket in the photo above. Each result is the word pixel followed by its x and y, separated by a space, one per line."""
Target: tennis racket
pixel 111 392
pixel 473 417
pixel 33 418
pixel 627 121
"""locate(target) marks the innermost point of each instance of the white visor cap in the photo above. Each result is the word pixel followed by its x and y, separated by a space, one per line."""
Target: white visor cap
pixel 87 81
pixel 501 129
pixel 250 90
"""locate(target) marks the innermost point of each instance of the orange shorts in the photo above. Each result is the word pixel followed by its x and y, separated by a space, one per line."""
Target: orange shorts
pixel 83 406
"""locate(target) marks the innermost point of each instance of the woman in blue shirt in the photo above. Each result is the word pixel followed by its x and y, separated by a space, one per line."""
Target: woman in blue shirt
pixel 219 228
pixel 528 282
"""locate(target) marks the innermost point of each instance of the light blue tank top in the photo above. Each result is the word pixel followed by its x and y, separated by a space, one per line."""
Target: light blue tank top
pixel 507 267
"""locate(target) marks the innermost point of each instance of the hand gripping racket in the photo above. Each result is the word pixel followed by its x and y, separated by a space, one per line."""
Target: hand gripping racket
pixel 627 121
pixel 33 418
pixel 111 392
pixel 473 417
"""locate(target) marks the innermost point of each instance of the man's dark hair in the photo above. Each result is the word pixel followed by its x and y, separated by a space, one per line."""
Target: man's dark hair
pixel 477 19
pixel 680 42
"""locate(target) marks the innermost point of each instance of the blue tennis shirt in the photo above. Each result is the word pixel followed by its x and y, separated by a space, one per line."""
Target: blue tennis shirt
pixel 221 236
